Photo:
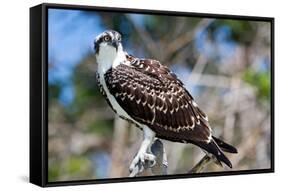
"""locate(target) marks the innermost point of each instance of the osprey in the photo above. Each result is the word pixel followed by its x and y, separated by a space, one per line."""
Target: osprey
pixel 148 94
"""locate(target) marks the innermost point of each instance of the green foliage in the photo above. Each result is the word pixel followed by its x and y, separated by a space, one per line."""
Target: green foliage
pixel 75 167
pixel 101 127
pixel 53 91
pixel 242 31
pixel 53 172
pixel 260 81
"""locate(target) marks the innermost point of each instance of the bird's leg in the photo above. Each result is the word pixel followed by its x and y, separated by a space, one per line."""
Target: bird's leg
pixel 143 154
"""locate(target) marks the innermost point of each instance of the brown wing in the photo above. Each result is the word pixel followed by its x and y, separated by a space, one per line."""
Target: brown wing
pixel 152 95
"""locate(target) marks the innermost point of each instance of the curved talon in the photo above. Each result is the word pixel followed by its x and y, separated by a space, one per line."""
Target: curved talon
pixel 152 163
pixel 149 157
pixel 141 161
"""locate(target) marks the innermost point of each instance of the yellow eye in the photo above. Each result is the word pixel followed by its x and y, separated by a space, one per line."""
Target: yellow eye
pixel 106 38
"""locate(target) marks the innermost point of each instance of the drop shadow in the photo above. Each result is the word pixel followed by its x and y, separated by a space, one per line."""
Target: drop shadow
pixel 24 178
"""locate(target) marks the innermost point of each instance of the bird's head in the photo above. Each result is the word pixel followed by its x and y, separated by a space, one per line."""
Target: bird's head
pixel 108 40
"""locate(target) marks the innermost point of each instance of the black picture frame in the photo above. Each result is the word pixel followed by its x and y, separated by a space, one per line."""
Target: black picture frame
pixel 39 93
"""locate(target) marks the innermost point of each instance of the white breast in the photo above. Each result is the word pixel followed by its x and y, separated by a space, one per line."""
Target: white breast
pixel 106 59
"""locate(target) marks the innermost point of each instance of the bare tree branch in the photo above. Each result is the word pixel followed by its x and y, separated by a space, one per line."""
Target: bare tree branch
pixel 200 166
pixel 149 43
pixel 186 38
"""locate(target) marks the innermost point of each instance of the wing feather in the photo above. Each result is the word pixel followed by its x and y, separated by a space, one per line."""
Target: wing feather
pixel 154 96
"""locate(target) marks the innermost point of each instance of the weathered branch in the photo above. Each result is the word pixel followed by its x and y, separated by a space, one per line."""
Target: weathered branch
pixel 186 38
pixel 160 168
pixel 149 43
pixel 200 166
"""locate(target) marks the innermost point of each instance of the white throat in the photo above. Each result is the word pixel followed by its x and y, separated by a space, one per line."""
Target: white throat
pixel 108 57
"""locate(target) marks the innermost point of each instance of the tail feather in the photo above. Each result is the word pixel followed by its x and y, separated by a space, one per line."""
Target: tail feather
pixel 224 146
pixel 213 148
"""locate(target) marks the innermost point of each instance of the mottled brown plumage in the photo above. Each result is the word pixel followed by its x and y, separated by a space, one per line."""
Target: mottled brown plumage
pixel 152 95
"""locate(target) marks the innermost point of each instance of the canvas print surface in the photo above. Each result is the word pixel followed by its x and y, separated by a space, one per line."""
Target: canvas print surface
pixel 148 94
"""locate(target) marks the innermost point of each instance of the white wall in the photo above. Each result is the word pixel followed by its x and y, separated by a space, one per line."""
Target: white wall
pixel 14 88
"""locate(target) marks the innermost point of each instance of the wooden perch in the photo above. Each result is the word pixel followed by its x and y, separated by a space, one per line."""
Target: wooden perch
pixel 160 168
pixel 200 166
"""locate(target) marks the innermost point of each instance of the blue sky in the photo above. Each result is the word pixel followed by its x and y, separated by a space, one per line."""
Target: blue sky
pixel 71 36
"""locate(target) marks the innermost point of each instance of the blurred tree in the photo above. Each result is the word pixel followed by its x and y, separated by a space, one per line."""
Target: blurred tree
pixel 225 63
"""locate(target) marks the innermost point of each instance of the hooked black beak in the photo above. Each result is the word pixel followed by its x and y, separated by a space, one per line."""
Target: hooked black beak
pixel 115 44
